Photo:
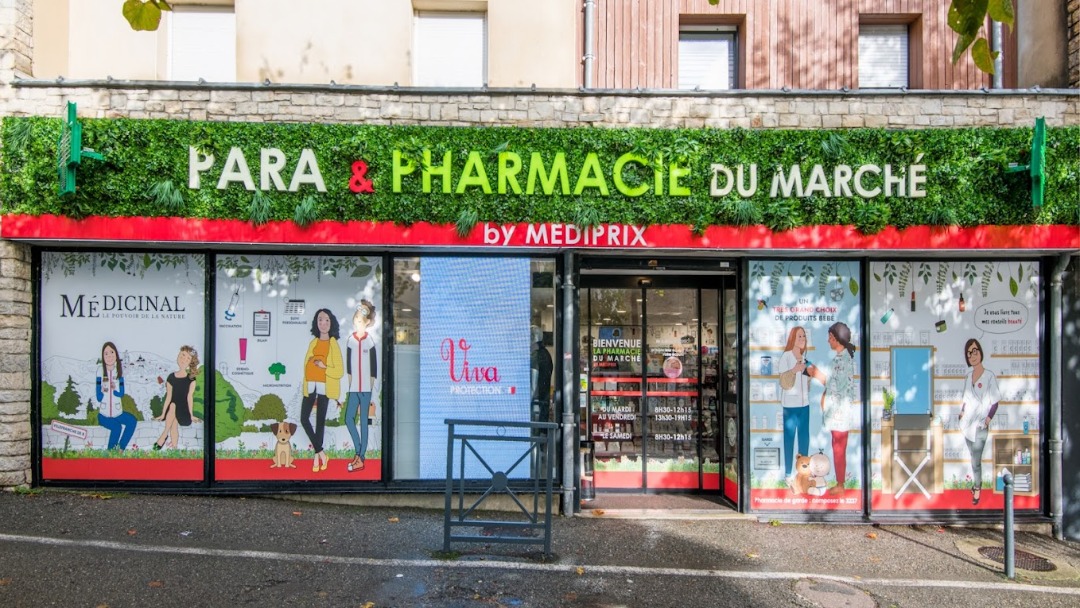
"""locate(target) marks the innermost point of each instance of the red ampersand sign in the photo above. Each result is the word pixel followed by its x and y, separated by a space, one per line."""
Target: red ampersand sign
pixel 358 184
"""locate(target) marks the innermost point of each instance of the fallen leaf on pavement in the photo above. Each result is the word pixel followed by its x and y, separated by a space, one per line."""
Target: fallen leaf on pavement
pixel 297 513
pixel 752 555
pixel 368 605
pixel 393 520
pixel 597 511
pixel 871 535
pixel 132 532
pixel 580 570
pixel 157 584
pixel 4 582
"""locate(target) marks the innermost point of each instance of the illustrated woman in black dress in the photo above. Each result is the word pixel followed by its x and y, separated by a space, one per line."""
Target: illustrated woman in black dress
pixel 179 397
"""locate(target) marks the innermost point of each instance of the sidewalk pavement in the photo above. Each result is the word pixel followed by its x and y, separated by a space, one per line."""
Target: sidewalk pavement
pixel 109 549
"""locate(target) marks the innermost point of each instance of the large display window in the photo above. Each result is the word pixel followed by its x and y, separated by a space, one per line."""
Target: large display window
pixel 956 388
pixel 298 370
pixel 805 363
pixel 473 339
pixel 122 380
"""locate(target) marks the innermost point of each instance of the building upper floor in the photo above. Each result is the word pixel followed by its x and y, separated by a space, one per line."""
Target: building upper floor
pixel 555 44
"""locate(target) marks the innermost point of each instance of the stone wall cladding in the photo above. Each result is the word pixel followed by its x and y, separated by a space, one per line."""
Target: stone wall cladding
pixel 16 308
pixel 796 110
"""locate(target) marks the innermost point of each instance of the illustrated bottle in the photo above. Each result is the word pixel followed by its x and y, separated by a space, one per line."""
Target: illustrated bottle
pixel 1027 456
pixel 912 300
pixel 963 305
pixel 230 312
pixel 1027 425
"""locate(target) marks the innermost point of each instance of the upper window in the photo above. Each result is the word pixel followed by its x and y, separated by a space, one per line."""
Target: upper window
pixel 883 56
pixel 450 50
pixel 707 57
pixel 202 43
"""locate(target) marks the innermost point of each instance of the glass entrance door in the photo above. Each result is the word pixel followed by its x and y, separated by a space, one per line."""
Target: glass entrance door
pixel 655 395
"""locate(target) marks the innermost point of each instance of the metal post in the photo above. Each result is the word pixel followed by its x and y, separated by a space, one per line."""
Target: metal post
pixel 569 376
pixel 1057 370
pixel 995 42
pixel 1010 548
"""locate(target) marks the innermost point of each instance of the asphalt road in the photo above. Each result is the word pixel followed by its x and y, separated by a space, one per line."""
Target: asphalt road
pixel 96 549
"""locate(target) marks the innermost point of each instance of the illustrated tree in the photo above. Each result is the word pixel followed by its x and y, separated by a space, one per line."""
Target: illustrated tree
pixel 157 404
pixel 127 403
pixel 277 369
pixel 68 402
pixel 49 411
pixel 268 407
pixel 228 408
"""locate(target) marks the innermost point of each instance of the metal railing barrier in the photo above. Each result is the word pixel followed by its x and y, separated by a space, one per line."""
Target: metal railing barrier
pixel 537 462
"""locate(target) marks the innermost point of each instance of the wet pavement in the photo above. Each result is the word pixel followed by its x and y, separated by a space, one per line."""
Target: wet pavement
pixel 70 548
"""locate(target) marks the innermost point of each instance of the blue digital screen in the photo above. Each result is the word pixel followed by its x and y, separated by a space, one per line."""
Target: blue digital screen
pixel 474 358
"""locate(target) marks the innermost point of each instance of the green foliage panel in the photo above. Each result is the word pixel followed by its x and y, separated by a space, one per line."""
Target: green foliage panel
pixel 145 173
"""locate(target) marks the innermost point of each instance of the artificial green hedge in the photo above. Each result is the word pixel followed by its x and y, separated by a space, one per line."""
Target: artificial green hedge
pixel 145 173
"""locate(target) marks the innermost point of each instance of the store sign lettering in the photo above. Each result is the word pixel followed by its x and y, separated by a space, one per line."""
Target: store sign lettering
pixel 458 366
pixel 542 176
pixel 271 163
pixel 560 235
pixel 901 182
pixel 82 306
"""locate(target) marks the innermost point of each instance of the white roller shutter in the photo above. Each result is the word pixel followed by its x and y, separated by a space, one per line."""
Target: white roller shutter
pixel 450 50
pixel 706 60
pixel 883 56
pixel 202 44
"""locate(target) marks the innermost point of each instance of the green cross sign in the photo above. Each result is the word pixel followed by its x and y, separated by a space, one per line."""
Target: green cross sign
pixel 1036 166
pixel 70 151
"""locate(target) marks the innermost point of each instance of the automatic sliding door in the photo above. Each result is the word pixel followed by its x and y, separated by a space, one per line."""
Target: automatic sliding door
pixel 672 389
pixel 615 386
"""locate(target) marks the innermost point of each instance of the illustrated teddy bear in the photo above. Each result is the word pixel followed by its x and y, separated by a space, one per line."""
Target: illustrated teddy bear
pixel 802 481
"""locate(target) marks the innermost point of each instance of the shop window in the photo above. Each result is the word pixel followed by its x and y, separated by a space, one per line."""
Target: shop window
pixel 122 366
pixel 467 333
pixel 883 56
pixel 202 43
pixel 450 50
pixel 707 57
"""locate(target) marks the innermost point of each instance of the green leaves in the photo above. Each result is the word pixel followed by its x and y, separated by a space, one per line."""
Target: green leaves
pixel 144 15
pixel 966 18
pixel 982 56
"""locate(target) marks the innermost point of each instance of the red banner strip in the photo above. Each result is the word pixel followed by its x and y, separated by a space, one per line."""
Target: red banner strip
pixel 176 230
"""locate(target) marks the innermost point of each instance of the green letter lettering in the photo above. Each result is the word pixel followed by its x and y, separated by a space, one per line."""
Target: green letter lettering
pixel 674 173
pixel 509 167
pixel 595 180
pixel 558 171
pixel 473 165
pixel 616 175
pixel 442 171
pixel 401 167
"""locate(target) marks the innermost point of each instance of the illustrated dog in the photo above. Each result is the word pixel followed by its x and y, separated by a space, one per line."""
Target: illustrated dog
pixel 283 432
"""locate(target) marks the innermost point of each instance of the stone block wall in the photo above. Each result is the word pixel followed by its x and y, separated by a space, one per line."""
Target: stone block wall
pixel 15 339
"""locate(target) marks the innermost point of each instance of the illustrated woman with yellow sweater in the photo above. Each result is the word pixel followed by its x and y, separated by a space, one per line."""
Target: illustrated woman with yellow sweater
pixel 322 380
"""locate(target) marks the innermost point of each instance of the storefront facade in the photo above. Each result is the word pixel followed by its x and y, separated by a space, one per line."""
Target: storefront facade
pixel 672 276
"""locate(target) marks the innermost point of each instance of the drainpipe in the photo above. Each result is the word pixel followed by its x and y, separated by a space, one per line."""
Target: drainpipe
pixel 569 438
pixel 995 46
pixel 590 17
pixel 1056 331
